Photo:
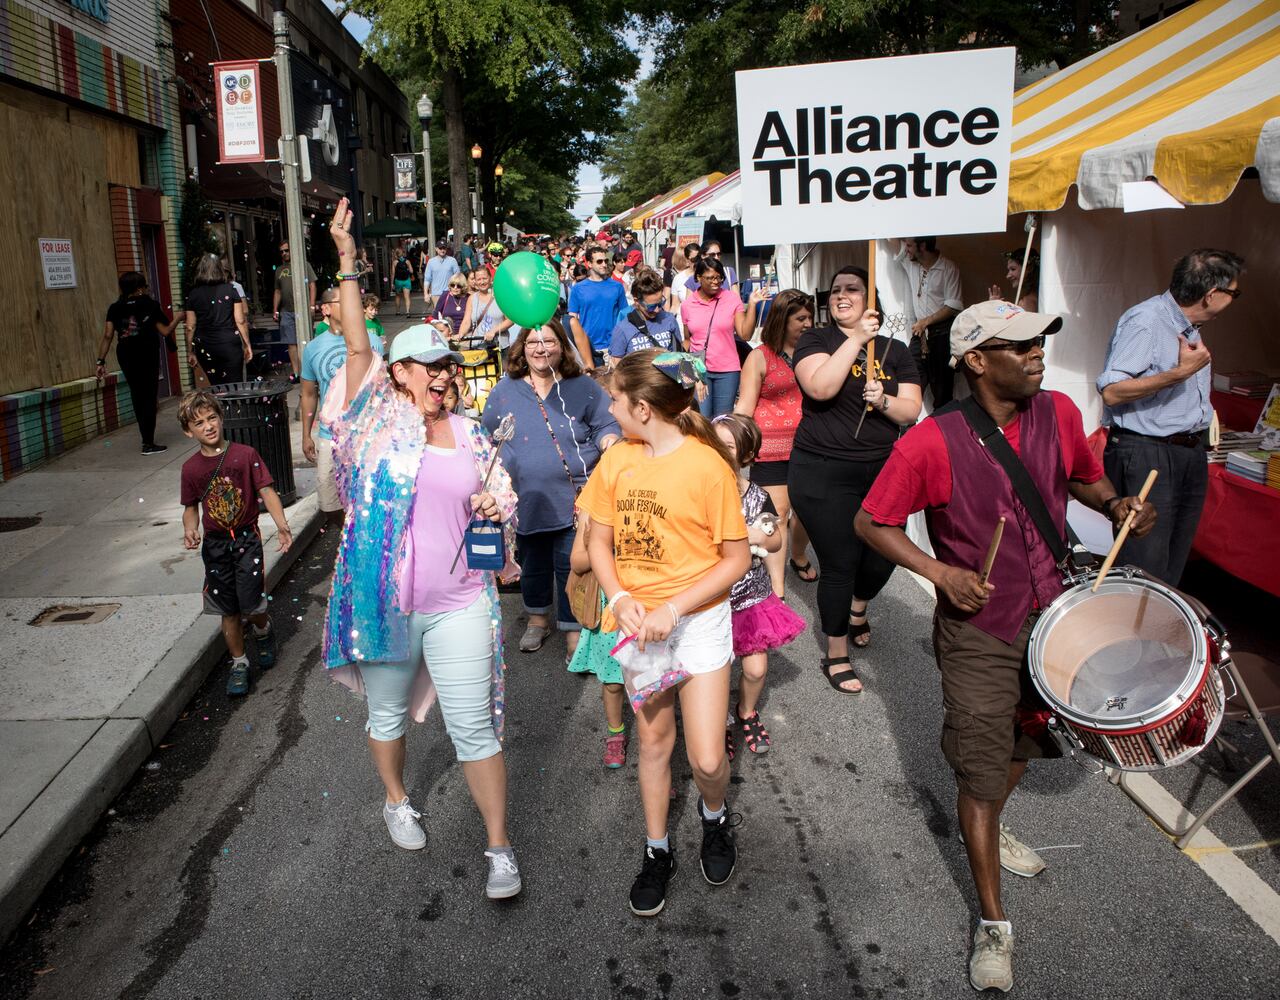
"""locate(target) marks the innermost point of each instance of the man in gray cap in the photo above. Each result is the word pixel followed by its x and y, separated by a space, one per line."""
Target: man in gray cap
pixel 993 720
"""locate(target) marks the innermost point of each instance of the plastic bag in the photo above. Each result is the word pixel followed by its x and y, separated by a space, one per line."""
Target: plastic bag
pixel 647 672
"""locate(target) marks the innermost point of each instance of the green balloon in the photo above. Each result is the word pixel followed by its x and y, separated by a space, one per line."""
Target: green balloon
pixel 527 289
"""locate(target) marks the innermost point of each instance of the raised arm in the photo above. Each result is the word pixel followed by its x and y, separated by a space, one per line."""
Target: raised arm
pixel 350 309
pixel 822 375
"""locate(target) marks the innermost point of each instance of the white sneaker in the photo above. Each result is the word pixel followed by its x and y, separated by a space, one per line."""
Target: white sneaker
pixel 402 824
pixel 991 963
pixel 504 875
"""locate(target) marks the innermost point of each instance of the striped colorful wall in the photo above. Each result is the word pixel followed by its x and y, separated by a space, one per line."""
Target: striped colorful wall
pixel 42 423
pixel 53 56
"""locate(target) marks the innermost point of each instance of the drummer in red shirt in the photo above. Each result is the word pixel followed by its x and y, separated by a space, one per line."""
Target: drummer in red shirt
pixel 980 634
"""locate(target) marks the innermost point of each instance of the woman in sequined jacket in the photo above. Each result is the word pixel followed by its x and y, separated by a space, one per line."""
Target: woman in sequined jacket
pixel 408 621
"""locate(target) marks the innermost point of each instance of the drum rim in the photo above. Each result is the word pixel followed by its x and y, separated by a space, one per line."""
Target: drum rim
pixel 1185 693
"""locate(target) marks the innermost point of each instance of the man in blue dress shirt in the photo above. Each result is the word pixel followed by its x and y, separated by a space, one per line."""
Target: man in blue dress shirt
pixel 1155 387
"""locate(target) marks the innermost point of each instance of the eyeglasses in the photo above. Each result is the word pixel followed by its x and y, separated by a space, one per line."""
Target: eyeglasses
pixel 1022 348
pixel 436 368
pixel 712 277
pixel 710 254
pixel 1233 292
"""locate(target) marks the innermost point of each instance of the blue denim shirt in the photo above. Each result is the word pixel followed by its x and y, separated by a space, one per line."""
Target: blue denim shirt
pixel 1146 343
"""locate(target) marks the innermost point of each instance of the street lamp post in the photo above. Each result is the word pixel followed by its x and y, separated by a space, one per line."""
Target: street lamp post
pixel 476 206
pixel 497 174
pixel 424 118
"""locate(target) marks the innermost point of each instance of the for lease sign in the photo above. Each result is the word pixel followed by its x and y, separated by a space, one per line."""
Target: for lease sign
pixel 912 145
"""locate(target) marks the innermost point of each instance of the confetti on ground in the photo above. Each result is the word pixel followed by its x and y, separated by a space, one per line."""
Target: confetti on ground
pixel 248 727
pixel 153 766
pixel 325 794
pixel 337 718
pixel 226 850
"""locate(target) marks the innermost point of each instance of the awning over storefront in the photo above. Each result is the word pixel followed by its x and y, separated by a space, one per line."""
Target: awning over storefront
pixel 1192 101
pixel 722 199
pixel 395 227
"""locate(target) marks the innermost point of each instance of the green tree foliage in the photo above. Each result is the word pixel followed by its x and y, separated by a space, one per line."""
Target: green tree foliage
pixel 686 108
pixel 194 234
pixel 533 83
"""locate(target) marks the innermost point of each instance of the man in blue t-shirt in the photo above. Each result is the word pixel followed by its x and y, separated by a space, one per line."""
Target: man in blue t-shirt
pixel 321 358
pixel 648 324
pixel 594 308
pixel 435 280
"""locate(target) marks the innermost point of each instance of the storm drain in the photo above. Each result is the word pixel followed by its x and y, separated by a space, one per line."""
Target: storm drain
pixel 75 614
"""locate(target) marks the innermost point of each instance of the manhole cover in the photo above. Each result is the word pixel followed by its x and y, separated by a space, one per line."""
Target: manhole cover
pixel 75 614
pixel 17 523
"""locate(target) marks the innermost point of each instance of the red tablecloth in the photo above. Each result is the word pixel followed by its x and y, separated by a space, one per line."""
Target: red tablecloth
pixel 1237 413
pixel 1240 529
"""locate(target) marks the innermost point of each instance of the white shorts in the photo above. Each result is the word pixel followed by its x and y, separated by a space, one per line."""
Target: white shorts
pixel 703 641
pixel 326 484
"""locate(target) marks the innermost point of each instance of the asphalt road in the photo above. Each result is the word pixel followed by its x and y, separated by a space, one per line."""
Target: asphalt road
pixel 249 858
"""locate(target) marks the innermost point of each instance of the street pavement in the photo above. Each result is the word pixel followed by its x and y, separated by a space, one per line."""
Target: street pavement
pixel 248 857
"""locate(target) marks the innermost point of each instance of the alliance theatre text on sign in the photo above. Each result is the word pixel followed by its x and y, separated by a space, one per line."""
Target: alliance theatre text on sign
pixel 876 147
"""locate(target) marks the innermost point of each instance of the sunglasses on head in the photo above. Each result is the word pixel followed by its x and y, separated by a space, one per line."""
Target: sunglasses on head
pixel 1021 348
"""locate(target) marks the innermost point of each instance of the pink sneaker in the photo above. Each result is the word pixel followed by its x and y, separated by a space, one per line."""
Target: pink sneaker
pixel 615 749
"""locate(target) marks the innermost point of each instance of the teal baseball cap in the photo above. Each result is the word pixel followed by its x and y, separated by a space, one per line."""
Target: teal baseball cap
pixel 422 343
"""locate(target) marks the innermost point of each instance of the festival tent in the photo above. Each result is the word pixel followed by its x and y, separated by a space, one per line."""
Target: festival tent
pixel 721 200
pixel 1193 103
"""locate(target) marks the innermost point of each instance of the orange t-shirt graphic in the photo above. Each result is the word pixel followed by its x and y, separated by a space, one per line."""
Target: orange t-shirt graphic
pixel 668 515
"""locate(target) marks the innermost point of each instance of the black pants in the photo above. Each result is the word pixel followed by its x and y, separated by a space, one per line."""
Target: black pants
pixel 140 363
pixel 936 367
pixel 826 494
pixel 1178 495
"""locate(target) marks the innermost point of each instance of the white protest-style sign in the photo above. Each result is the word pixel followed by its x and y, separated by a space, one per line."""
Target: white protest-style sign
pixel 874 148
pixel 57 262
pixel 239 112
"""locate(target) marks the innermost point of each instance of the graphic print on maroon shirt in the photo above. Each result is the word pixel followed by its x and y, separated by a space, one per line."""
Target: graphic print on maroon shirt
pixel 232 499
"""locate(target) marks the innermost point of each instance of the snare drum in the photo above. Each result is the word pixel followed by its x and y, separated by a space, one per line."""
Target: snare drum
pixel 1130 672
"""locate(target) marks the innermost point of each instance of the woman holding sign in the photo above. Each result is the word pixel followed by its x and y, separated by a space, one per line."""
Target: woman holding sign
pixel 849 419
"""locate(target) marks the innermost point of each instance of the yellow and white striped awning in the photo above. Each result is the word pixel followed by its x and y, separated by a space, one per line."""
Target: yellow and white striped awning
pixel 1192 101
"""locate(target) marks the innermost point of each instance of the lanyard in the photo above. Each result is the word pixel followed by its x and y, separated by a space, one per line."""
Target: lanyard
pixel 547 420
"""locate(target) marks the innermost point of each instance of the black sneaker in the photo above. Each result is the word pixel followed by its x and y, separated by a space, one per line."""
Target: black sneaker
pixel 154 449
pixel 719 854
pixel 649 890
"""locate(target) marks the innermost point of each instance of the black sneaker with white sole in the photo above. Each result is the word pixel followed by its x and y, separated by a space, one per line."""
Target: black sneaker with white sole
pixel 649 890
pixel 719 852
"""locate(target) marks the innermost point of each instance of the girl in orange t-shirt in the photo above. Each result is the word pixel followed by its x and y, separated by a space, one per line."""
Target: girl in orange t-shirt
pixel 667 543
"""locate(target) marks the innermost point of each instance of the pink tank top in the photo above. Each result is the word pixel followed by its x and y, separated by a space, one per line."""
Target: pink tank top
pixel 441 513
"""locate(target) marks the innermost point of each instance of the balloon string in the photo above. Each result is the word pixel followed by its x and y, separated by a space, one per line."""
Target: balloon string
pixel 555 377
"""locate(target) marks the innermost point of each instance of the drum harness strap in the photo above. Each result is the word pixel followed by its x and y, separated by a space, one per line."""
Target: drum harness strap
pixel 993 439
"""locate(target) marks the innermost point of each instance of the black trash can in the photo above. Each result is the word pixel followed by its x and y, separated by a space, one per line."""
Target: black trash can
pixel 257 414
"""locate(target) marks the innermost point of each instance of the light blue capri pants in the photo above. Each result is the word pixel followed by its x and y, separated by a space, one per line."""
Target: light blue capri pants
pixel 458 647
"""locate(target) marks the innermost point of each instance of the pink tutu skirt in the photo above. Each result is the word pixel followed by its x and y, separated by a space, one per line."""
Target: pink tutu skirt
pixel 765 626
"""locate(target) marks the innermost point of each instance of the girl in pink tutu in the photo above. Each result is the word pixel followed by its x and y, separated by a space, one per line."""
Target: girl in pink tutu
pixel 761 620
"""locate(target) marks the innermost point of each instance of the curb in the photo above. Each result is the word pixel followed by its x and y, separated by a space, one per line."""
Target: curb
pixel 34 848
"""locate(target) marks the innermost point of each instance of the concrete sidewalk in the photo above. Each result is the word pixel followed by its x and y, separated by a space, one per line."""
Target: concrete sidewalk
pixel 83 704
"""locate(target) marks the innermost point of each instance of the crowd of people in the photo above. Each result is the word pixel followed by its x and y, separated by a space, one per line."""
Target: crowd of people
pixel 649 487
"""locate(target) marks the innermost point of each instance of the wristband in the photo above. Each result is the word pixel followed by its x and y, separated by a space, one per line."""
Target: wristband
pixel 1108 504
pixel 884 403
pixel 616 598
pixel 675 615
pixel 102 362
pixel 347 277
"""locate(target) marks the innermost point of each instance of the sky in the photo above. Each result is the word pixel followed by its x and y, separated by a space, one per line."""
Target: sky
pixel 590 182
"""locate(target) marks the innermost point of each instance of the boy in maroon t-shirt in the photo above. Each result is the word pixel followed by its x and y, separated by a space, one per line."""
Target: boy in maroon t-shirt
pixel 226 479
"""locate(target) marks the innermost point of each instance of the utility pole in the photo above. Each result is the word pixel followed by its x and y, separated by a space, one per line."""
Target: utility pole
pixel 424 118
pixel 290 167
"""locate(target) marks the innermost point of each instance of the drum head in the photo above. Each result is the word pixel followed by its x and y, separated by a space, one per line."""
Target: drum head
pixel 1123 657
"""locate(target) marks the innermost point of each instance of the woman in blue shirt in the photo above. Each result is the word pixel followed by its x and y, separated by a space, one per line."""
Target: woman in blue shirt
pixel 563 425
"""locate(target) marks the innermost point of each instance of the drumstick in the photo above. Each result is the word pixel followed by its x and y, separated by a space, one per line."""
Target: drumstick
pixel 991 552
pixel 1123 533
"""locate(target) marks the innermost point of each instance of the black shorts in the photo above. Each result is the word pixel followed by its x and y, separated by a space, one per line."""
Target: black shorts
pixel 770 473
pixel 234 574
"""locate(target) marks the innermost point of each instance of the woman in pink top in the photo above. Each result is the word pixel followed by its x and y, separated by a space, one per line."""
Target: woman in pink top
pixel 770 395
pixel 714 319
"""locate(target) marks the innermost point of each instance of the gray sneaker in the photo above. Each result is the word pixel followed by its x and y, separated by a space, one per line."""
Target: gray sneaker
pixel 991 963
pixel 402 824
pixel 504 875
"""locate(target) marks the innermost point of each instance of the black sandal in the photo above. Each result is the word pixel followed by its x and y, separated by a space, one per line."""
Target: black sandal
pixel 856 632
pixel 754 735
pixel 730 746
pixel 835 680
pixel 800 571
